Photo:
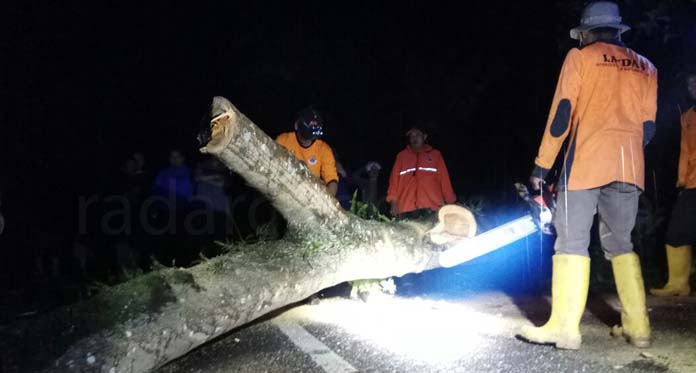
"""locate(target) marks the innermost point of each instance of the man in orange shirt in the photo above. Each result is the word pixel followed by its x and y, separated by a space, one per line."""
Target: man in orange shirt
pixel 681 233
pixel 604 105
pixel 419 182
pixel 305 144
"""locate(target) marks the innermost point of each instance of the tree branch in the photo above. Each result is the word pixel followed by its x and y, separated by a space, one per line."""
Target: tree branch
pixel 271 169
pixel 142 324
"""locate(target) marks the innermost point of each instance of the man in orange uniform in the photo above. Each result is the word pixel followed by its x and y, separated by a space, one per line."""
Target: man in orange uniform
pixel 604 105
pixel 305 144
pixel 419 182
pixel 681 233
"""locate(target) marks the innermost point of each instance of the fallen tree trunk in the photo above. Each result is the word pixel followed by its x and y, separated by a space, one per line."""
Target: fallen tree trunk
pixel 144 323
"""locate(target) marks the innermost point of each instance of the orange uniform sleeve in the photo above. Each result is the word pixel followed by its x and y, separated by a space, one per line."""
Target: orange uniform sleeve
pixel 393 190
pixel 446 183
pixel 281 139
pixel 684 153
pixel 328 165
pixel 561 114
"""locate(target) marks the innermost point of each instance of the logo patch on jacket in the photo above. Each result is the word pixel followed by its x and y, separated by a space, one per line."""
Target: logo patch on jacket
pixel 312 160
pixel 429 159
pixel 623 63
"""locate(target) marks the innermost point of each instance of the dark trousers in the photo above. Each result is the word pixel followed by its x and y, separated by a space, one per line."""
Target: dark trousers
pixel 682 225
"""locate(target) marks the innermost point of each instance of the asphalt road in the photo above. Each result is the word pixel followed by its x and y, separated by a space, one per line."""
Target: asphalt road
pixel 473 332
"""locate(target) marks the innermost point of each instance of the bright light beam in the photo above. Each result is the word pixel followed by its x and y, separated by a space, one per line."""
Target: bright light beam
pixel 488 241
pixel 431 332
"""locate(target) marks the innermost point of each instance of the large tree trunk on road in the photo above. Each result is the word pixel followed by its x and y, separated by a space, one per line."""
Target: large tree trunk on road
pixel 144 323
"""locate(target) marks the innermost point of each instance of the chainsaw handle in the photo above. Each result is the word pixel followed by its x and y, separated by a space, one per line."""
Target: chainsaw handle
pixel 546 194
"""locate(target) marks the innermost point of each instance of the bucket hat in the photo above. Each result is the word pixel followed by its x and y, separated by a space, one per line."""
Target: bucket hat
pixel 599 14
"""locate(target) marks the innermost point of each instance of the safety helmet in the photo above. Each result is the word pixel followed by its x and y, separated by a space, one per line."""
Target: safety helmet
pixel 309 123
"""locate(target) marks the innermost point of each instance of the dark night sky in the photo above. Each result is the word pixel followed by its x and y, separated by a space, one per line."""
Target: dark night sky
pixel 85 85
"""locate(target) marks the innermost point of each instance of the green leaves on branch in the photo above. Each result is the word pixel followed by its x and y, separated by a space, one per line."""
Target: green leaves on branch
pixel 366 210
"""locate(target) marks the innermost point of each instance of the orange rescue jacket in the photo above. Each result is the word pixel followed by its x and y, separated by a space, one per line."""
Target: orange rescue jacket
pixel 318 157
pixel 420 180
pixel 687 151
pixel 605 104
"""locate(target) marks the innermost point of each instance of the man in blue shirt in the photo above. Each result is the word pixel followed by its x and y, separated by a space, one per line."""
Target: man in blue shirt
pixel 175 180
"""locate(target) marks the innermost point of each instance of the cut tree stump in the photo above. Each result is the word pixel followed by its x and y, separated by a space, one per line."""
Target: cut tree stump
pixel 144 323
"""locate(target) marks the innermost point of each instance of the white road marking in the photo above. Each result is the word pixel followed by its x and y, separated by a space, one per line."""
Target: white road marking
pixel 319 352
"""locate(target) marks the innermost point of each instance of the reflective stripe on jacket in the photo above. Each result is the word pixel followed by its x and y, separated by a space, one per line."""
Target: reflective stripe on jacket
pixel 687 151
pixel 420 180
pixel 605 99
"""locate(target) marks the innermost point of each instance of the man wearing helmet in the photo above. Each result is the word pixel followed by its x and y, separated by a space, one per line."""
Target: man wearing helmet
pixel 305 144
pixel 604 106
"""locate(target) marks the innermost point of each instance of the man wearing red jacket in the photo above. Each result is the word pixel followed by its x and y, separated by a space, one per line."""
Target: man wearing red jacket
pixel 419 182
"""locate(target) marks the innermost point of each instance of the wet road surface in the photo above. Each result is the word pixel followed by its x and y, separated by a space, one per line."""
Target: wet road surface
pixel 470 333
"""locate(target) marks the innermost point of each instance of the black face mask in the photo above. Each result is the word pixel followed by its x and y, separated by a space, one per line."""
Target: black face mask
pixel 310 131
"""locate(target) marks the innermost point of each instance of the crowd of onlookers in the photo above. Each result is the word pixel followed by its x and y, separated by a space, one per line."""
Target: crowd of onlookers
pixel 188 208
pixel 142 214
pixel 175 215
pixel 176 212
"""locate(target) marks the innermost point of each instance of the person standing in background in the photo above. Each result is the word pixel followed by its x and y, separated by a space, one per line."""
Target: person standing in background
pixel 305 144
pixel 681 233
pixel 419 182
pixel 175 180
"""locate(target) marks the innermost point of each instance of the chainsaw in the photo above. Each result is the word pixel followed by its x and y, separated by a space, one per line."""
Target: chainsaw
pixel 542 206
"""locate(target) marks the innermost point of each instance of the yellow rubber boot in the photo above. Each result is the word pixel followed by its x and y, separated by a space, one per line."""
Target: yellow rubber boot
pixel 635 326
pixel 678 269
pixel 570 282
